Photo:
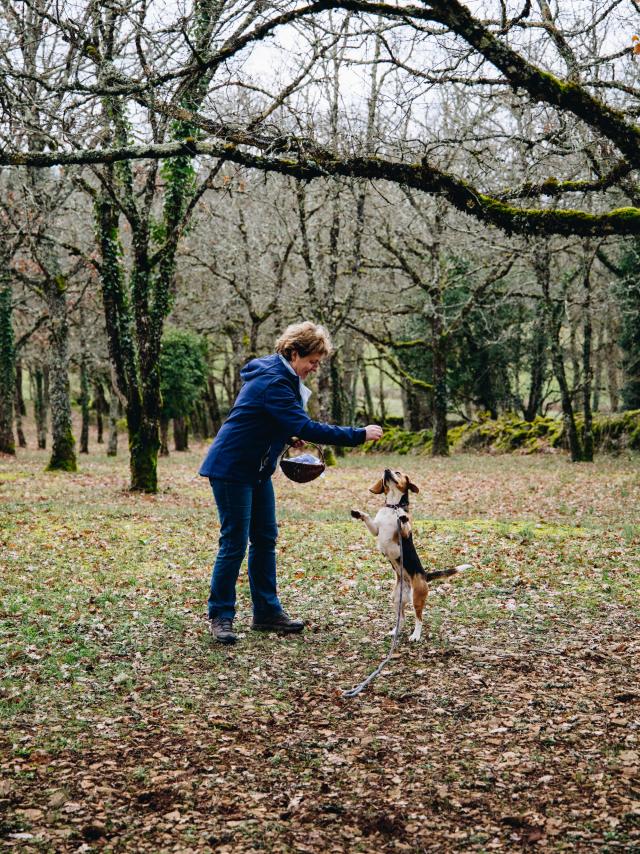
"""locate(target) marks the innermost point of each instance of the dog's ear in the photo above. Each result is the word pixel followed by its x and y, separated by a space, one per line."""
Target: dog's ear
pixel 413 487
pixel 377 488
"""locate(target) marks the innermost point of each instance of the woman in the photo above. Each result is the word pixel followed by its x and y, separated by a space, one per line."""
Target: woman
pixel 267 413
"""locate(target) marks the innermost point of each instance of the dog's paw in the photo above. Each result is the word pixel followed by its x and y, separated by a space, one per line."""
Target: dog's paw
pixel 417 631
pixel 356 514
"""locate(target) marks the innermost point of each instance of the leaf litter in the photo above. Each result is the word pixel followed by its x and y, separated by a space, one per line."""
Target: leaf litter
pixel 514 725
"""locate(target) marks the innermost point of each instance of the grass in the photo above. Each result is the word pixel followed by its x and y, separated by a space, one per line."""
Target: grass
pixel 124 727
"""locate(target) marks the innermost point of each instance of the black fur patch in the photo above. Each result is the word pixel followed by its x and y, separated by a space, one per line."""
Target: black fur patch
pixel 410 559
pixel 441 573
pixel 403 503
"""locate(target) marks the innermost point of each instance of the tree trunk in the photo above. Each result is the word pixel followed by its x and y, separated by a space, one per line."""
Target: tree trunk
pixel 440 446
pixel 101 409
pixel 568 417
pixel 324 390
pixel 612 360
pixel 411 408
pixel 587 366
pixel 7 370
pixel 352 394
pixel 114 413
pixel 337 398
pixel 351 363
pixel 199 421
pixel 144 443
pixel 19 408
pixel 553 316
pixel 164 436
pixel 84 389
pixel 597 369
pixel 152 283
pixel 381 400
pixel 324 404
pixel 538 368
pixel 41 404
pixel 63 457
pixel 516 358
pixel 181 433
pixel 368 399
pixel 236 361
pixel 214 407
pixel 484 385
pixel 576 367
pixel 140 389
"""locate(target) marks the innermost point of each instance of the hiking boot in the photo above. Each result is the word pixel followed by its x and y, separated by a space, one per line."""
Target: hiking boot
pixel 221 629
pixel 281 622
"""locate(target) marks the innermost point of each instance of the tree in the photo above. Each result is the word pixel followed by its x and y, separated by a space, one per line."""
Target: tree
pixel 7 368
pixel 436 275
pixel 531 58
pixel 523 119
pixel 183 376
pixel 554 309
pixel 628 291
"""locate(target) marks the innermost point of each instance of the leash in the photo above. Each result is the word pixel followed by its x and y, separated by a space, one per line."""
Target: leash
pixel 353 692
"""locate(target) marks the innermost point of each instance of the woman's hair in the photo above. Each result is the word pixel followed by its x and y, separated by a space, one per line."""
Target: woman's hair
pixel 304 339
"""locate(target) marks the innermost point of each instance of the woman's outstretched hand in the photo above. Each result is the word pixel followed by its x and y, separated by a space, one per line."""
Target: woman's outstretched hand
pixel 373 432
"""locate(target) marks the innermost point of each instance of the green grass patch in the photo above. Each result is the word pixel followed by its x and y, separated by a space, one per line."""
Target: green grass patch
pixel 114 699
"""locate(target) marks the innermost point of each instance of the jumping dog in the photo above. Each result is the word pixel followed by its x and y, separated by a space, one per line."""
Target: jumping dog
pixel 396 487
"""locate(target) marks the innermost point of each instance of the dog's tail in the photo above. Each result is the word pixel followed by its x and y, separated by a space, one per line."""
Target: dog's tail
pixel 445 573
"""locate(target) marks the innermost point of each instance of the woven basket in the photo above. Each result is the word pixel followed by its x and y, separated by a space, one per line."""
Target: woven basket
pixel 302 472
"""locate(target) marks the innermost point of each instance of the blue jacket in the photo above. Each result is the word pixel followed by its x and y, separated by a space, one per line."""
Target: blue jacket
pixel 267 413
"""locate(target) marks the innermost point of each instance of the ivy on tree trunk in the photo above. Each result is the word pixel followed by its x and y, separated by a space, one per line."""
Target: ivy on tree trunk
pixel 135 311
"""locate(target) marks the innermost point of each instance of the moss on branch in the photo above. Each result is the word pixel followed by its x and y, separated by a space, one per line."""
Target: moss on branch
pixel 420 176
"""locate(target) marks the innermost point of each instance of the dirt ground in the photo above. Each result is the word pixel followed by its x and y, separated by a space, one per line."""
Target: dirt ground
pixel 514 724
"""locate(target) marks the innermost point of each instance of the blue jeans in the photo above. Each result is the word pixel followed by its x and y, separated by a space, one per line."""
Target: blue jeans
pixel 247 514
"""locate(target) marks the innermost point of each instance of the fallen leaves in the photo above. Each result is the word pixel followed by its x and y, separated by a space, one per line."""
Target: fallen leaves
pixel 514 724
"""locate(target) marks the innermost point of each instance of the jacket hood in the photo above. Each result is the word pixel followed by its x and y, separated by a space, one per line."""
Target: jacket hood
pixel 263 365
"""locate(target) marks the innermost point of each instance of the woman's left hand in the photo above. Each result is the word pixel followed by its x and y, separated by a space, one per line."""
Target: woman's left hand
pixel 297 444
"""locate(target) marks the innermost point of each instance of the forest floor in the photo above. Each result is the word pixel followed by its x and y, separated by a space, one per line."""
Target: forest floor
pixel 514 724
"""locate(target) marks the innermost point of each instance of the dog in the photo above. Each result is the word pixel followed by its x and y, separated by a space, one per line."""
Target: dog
pixel 396 487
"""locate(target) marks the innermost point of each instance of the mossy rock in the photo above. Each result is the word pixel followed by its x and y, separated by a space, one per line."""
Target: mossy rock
pixel 511 434
pixel 457 434
pixel 399 441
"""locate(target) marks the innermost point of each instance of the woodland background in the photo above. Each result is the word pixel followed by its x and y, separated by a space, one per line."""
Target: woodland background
pixel 453 191
pixel 459 218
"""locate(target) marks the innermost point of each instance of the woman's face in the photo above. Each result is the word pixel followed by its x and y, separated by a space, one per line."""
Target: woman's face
pixel 305 365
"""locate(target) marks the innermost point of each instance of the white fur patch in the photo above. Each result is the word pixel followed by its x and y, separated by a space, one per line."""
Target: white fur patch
pixel 463 566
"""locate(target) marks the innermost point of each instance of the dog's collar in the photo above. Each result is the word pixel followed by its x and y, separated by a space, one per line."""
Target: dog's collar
pixel 402 505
